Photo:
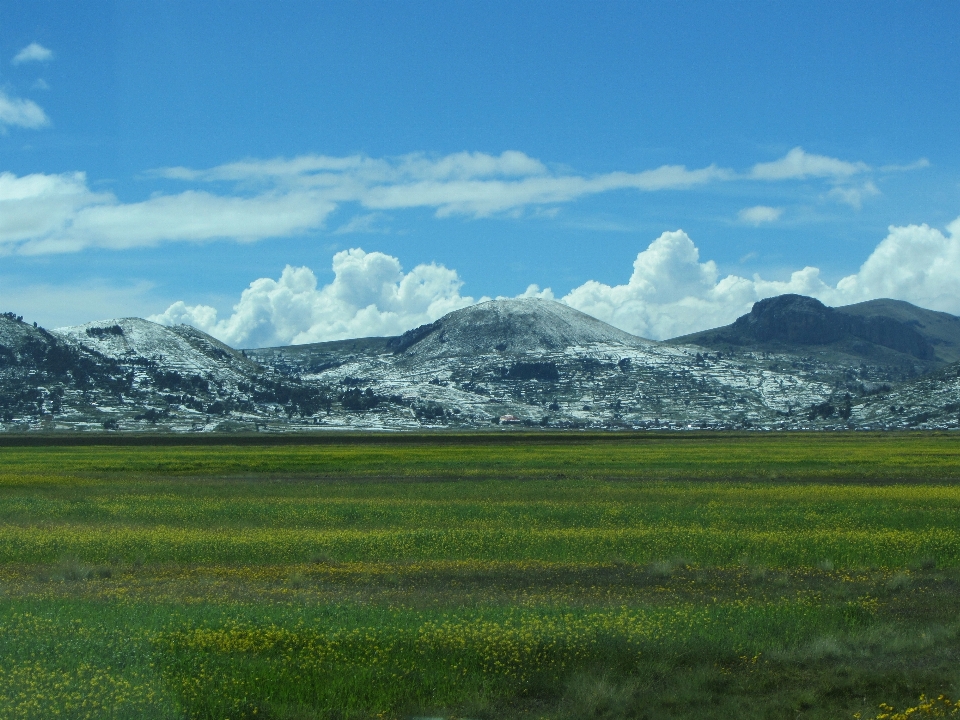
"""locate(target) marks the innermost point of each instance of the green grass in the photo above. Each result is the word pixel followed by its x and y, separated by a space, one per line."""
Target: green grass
pixel 488 575
pixel 772 456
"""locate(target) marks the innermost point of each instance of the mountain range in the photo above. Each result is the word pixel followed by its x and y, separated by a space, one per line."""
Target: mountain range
pixel 790 363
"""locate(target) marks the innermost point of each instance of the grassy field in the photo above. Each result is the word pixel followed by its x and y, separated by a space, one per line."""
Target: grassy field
pixel 485 576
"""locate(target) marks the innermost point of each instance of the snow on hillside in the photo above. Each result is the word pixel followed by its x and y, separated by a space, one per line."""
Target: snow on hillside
pixel 180 348
pixel 526 362
pixel 512 326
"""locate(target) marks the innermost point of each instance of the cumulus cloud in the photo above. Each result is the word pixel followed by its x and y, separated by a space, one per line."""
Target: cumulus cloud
pixel 370 295
pixel 34 52
pixel 799 164
pixel 916 263
pixel 21 113
pixel 760 214
pixel 671 292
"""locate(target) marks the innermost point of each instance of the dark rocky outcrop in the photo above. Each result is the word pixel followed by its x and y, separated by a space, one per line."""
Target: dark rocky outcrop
pixel 884 332
pixel 807 321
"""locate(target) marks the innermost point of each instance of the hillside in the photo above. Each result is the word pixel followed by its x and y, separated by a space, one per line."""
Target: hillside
pixel 901 337
pixel 790 363
pixel 180 348
pixel 529 325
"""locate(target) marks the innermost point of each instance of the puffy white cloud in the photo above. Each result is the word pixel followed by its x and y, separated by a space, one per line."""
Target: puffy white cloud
pixel 370 295
pixel 760 214
pixel 533 291
pixel 670 292
pixel 916 263
pixel 798 164
pixel 20 112
pixel 34 52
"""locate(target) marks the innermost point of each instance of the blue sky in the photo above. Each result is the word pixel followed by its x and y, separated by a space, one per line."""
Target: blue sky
pixel 162 158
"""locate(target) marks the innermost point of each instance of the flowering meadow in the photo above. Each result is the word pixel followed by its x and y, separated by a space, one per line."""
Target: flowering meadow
pixel 484 576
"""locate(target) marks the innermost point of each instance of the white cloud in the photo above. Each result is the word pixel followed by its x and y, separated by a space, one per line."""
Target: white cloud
pixel 472 184
pixel 916 263
pixel 367 223
pixel 38 206
pixel 275 198
pixel 670 292
pixel 854 196
pixel 916 165
pixel 534 291
pixel 369 296
pixel 798 164
pixel 321 169
pixel 59 213
pixel 282 197
pixel 760 214
pixel 21 113
pixel 34 52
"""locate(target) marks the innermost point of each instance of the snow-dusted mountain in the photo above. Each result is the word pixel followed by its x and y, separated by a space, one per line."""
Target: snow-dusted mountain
pixel 180 348
pixel 528 325
pixel 521 362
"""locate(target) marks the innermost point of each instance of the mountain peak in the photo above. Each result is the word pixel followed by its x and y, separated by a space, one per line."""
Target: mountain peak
pixel 791 318
pixel 182 345
pixel 883 331
pixel 520 325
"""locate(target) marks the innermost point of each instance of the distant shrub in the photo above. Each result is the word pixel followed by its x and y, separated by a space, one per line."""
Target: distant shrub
pixel 430 411
pixel 823 410
pixel 102 332
pixel 533 371
pixel 357 400
pixel 152 414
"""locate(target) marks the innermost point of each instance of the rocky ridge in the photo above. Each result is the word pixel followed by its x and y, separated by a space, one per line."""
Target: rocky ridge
pixel 791 363
pixel 892 333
